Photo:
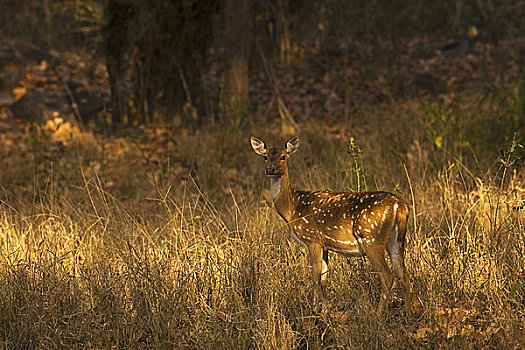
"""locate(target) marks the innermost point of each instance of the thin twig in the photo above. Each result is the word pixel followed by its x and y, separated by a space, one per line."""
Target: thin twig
pixel 284 112
pixel 411 195
pixel 184 82
pixel 72 99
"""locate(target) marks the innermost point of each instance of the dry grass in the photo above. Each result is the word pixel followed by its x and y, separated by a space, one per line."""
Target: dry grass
pixel 128 255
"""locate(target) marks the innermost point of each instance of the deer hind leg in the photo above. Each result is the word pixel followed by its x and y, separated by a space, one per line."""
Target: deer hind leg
pixel 377 259
pixel 319 263
pixel 396 251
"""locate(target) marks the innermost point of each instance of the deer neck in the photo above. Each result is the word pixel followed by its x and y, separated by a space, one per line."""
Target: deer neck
pixel 283 196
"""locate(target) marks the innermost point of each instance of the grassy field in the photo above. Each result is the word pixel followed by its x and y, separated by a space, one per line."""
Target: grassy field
pixel 163 237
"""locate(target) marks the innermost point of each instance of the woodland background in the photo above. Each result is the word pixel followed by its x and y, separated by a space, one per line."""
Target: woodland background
pixel 134 213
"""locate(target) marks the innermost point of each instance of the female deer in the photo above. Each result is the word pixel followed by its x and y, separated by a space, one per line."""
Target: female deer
pixel 349 223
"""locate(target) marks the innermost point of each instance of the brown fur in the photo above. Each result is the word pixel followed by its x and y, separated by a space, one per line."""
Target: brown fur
pixel 350 223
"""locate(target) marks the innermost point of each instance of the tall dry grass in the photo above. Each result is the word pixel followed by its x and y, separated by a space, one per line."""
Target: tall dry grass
pixel 128 255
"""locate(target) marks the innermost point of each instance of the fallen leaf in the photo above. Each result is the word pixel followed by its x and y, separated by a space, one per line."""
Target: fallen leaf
pixel 19 92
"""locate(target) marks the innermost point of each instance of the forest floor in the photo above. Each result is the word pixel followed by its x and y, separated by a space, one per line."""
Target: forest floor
pixel 162 236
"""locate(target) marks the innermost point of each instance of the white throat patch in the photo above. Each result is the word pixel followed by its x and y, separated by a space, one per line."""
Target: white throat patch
pixel 275 186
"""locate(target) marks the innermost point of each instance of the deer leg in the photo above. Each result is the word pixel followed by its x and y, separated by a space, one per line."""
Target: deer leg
pixel 377 259
pixel 396 252
pixel 324 271
pixel 319 263
pixel 404 277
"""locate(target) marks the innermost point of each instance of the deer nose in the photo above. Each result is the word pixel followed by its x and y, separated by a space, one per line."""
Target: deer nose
pixel 270 171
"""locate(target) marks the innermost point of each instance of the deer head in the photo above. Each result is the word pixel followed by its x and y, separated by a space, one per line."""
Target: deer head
pixel 275 158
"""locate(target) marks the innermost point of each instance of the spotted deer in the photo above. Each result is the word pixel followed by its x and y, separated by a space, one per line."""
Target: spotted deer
pixel 350 223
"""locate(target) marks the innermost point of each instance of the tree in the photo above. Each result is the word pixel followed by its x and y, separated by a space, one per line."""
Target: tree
pixel 238 44
pixel 119 41
pixel 155 55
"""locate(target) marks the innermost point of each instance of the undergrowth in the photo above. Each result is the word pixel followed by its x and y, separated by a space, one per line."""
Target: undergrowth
pixel 203 262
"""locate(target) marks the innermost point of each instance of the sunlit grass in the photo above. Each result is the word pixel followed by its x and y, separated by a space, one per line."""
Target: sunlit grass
pixel 182 269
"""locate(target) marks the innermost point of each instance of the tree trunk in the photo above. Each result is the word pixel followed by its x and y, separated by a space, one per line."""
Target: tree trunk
pixel 238 44
pixel 119 45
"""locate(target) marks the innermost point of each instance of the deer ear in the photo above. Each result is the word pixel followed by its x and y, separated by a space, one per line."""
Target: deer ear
pixel 259 146
pixel 292 145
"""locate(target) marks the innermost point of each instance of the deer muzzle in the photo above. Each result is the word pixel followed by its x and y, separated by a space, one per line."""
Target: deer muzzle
pixel 270 171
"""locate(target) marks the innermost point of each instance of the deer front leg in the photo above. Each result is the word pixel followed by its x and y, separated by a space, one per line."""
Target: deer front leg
pixel 319 263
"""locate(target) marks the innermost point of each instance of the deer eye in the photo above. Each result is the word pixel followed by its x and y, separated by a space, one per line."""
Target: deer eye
pixel 283 157
pixel 265 157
